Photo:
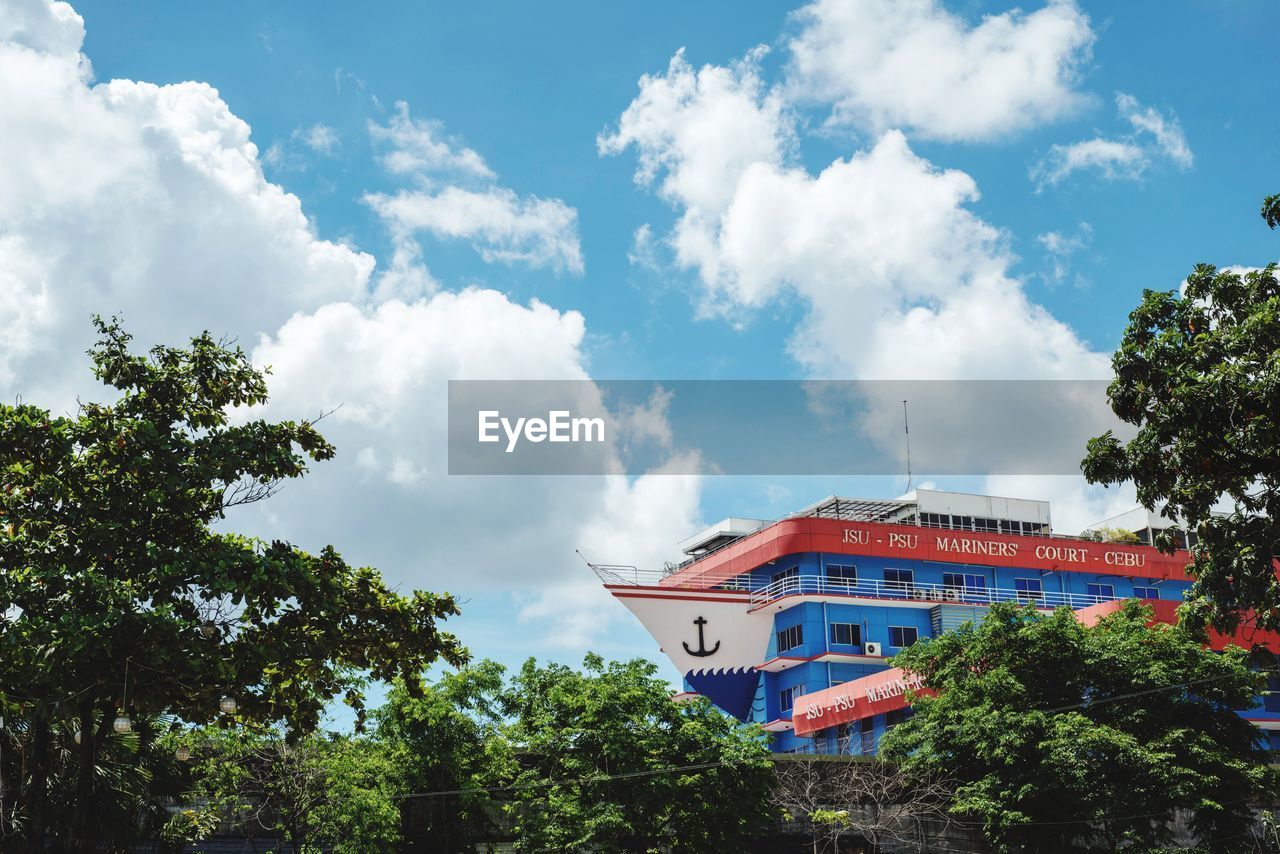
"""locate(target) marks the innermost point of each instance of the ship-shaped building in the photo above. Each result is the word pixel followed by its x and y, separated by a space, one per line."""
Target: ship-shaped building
pixel 792 623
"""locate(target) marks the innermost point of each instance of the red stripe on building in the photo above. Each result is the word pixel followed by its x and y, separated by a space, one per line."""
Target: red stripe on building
pixel 1166 611
pixel 910 542
pixel 852 701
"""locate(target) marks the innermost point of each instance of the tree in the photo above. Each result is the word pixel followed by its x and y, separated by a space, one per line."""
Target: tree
pixel 338 792
pixel 1063 736
pixel 1198 372
pixel 876 800
pixel 1110 535
pixel 447 740
pixel 123 598
pixel 607 761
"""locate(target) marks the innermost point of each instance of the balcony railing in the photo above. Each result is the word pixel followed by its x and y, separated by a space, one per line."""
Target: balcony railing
pixel 817 585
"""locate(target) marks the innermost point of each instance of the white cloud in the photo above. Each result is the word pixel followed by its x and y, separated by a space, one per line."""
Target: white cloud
pixel 151 201
pixel 900 277
pixel 1126 157
pixel 1060 248
pixel 320 138
pixel 1112 159
pixel 1166 130
pixel 384 372
pixel 136 198
pixel 417 147
pixel 911 64
pixel 499 224
pixel 457 197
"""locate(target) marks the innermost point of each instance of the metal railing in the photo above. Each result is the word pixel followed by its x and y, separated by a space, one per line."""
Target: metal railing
pixel 630 576
pixel 817 585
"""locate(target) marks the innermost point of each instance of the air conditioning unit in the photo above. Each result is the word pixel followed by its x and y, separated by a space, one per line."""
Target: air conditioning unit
pixel 871 648
pixel 951 595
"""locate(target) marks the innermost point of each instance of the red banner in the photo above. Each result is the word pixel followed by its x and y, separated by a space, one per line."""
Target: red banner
pixel 871 695
pixel 832 536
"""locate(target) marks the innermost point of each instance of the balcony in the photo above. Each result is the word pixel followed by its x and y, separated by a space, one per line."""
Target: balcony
pixel 913 593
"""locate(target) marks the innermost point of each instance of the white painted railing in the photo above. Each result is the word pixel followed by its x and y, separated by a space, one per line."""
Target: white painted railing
pixel 817 585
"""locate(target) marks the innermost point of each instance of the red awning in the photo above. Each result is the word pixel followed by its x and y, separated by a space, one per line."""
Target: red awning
pixel 852 701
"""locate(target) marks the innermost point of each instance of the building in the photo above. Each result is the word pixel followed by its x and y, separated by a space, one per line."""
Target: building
pixel 791 623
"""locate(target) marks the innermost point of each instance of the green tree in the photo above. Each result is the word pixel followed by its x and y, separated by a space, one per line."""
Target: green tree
pixel 1060 736
pixel 1198 372
pixel 446 739
pixel 607 761
pixel 122 597
pixel 319 792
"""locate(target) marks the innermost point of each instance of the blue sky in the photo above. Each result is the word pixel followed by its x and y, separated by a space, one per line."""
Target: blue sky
pixel 1057 195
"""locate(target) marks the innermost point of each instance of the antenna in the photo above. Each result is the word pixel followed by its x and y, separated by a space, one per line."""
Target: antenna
pixel 906 428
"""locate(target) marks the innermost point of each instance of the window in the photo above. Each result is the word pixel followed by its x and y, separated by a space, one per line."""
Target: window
pixel 868 738
pixel 1271 699
pixel 847 634
pixel 962 580
pixel 790 638
pixel 895 716
pixel 902 637
pixel 842 576
pixel 786 699
pixel 1029 589
pixel 1141 592
pixel 899 579
pixel 789 572
pixel 1101 591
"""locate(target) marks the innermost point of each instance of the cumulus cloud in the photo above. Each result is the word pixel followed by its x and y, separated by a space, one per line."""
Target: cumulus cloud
pixel 456 197
pixel 1125 157
pixel 911 64
pixel 128 197
pixel 384 371
pixel 901 278
pixel 151 201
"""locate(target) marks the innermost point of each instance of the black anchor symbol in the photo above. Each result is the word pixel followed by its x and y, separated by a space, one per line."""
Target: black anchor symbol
pixel 701 651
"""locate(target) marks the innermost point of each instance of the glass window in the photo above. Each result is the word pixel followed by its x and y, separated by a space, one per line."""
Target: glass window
pixel 901 637
pixel 962 580
pixel 1029 589
pixel 899 579
pixel 786 699
pixel 1271 699
pixel 1141 592
pixel 846 634
pixel 1101 591
pixel 789 572
pixel 790 638
pixel 842 571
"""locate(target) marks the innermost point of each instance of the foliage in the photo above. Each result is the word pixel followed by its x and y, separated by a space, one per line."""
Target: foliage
pixel 1198 373
pixel 607 761
pixel 120 593
pixel 447 739
pixel 339 792
pixel 1060 735
pixel 1110 535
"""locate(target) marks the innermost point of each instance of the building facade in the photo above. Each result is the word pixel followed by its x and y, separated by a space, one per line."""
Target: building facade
pixel 791 623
